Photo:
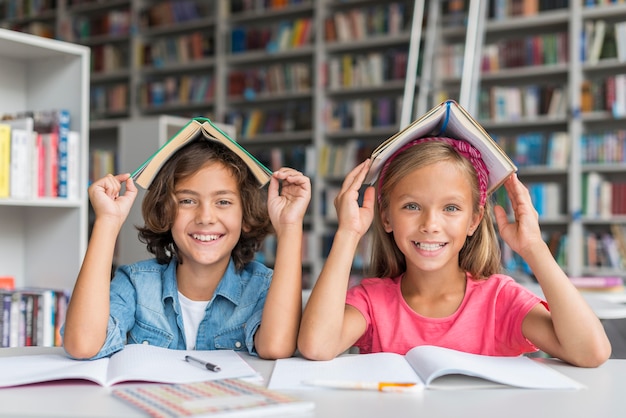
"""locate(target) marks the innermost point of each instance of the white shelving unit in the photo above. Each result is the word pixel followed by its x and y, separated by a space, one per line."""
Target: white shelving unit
pixel 137 140
pixel 43 241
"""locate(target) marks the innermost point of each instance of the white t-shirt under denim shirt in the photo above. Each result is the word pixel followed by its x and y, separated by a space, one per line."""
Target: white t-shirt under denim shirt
pixel 193 313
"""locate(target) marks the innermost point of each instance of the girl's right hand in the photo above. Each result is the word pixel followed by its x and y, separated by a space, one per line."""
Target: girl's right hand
pixel 351 216
pixel 106 200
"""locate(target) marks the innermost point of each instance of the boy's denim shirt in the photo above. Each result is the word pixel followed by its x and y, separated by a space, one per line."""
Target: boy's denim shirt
pixel 145 308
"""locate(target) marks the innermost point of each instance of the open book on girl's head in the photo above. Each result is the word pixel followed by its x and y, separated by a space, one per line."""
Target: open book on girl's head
pixel 197 128
pixel 447 119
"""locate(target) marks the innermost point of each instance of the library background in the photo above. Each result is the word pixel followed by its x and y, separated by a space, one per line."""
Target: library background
pixel 314 85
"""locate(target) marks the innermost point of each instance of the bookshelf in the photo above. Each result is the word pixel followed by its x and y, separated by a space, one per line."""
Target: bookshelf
pixel 531 57
pixel 307 103
pixel 264 69
pixel 43 240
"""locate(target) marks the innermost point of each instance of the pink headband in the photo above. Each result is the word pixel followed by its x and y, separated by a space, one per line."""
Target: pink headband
pixel 464 148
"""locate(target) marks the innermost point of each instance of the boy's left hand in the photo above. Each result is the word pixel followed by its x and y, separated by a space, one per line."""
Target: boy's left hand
pixel 290 205
pixel 523 233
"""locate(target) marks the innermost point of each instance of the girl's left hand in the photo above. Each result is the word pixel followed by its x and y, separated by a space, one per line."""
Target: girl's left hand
pixel 523 233
pixel 290 205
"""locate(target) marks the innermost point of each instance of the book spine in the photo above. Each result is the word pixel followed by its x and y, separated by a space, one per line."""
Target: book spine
pixel 64 127
pixel 5 331
pixel 5 160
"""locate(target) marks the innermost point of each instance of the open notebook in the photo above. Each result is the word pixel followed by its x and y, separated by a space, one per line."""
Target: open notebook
pixel 428 367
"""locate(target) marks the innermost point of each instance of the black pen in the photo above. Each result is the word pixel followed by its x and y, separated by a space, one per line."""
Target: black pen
pixel 204 364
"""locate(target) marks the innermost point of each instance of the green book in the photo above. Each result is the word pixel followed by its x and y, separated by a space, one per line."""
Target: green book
pixel 197 128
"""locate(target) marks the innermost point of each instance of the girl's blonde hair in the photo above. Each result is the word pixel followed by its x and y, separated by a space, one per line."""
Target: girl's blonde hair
pixel 480 256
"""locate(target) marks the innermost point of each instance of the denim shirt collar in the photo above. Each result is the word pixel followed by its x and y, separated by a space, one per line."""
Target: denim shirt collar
pixel 229 287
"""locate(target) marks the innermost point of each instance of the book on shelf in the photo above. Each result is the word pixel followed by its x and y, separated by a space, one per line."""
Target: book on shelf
pixel 5 160
pixel 42 149
pixel 427 367
pixel 134 363
pixel 451 120
pixel 22 156
pixel 217 398
pixel 596 41
pixel 31 316
pixel 620 39
pixel 196 128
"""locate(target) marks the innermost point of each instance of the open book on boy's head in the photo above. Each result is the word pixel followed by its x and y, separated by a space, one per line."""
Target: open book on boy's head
pixel 447 120
pixel 197 128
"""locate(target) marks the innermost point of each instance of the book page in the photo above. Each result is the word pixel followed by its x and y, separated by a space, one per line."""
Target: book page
pixel 432 362
pixel 21 370
pixel 156 364
pixel 293 373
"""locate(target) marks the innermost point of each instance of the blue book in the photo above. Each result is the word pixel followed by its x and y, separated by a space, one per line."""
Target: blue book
pixel 63 120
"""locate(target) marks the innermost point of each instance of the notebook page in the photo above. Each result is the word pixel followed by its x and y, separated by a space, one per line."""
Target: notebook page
pixel 290 373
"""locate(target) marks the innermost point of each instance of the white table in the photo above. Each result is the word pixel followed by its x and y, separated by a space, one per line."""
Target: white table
pixel 603 397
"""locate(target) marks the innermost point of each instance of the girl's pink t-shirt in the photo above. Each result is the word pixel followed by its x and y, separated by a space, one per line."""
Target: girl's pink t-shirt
pixel 489 320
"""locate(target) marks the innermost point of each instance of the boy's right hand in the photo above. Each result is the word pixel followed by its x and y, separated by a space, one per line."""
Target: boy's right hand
pixel 106 200
pixel 351 216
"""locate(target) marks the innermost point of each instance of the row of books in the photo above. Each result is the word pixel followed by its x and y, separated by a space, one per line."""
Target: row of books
pixel 32 317
pixel 274 37
pixel 242 6
pixel 40 156
pixel 507 103
pixel 272 79
pixel 502 9
pixel 536 50
pixel 109 57
pixel 546 49
pixel 180 89
pixel 603 197
pixel 362 114
pixel 365 22
pixel 603 250
pixel 21 9
pixel 300 157
pixel 547 198
pixel 603 39
pixel 336 160
pixel 548 149
pixel 289 117
pixel 605 94
pixel 171 12
pixel 113 23
pixel 606 147
pixel 372 69
pixel 101 163
pixel 107 99
pixel 176 49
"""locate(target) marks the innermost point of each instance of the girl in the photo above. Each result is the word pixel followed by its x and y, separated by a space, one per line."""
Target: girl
pixel 436 253
pixel 205 216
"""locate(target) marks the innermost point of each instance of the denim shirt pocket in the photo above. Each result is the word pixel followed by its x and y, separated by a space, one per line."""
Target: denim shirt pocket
pixel 231 339
pixel 143 333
